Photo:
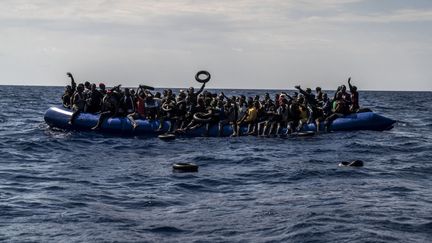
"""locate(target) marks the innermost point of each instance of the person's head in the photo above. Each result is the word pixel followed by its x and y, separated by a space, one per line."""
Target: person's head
pixel 250 103
pixel 257 105
pixel 354 88
pixel 68 89
pixel 93 87
pixel 257 98
pixel 339 95
pixel 182 95
pixel 325 97
pixel 301 99
pixel 87 84
pixel 308 90
pixel 170 92
pixel 343 88
pixel 102 86
pixel 80 88
pixel 267 96
pixel 158 95
pixel 191 90
pixel 126 92
pixel 318 89
pixel 165 93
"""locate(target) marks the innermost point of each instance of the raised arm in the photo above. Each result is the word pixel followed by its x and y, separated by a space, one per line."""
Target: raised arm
pixel 288 96
pixel 201 89
pixel 350 85
pixel 116 88
pixel 301 90
pixel 226 97
pixel 73 84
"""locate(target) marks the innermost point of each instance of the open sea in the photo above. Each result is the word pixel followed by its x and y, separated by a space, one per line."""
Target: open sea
pixel 59 186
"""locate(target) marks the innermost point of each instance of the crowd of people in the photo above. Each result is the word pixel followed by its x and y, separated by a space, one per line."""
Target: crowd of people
pixel 191 109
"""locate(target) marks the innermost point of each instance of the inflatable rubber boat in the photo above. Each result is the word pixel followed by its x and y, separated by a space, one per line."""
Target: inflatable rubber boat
pixel 58 117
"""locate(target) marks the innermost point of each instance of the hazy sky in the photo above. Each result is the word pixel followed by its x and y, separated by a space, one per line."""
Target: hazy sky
pixel 382 44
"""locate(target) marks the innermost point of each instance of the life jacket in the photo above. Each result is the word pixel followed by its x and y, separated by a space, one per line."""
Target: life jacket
pixel 252 114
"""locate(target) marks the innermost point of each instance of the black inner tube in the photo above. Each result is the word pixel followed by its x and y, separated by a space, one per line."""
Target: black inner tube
pixel 203 72
pixel 167 107
pixel 202 117
pixel 186 167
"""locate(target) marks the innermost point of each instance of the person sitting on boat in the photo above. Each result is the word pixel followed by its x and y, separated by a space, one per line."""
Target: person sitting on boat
pixel 308 95
pixel 354 107
pixel 230 116
pixel 345 95
pixel 242 106
pixel 139 109
pixel 102 89
pixel 151 106
pixel 319 94
pixel 167 106
pixel 193 96
pixel 78 103
pixel 272 118
pixel 249 118
pixel 180 111
pixel 69 92
pixel 304 113
pixel 216 114
pixel 87 90
pixel 310 103
pixel 126 104
pixel 294 115
pixel 168 111
pixel 110 108
pixel 67 95
pixel 284 114
pixel 324 110
pixel 93 100
pixel 341 109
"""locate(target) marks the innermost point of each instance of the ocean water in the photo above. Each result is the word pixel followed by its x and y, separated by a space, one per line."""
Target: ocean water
pixel 59 186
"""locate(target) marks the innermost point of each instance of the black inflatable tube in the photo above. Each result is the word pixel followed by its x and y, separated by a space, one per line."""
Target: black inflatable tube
pixel 166 109
pixel 185 167
pixel 202 72
pixel 354 163
pixel 199 117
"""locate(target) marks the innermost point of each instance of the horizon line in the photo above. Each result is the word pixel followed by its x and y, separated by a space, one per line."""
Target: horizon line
pixel 225 88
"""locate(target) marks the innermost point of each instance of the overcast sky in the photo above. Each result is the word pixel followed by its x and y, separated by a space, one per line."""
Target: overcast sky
pixel 382 44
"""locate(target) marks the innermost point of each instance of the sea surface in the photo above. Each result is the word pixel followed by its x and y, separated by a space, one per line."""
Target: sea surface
pixel 60 186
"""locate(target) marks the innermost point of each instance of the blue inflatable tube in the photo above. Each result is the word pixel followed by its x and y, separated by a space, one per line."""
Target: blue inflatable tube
pixel 59 117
